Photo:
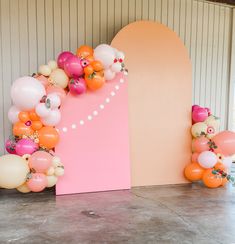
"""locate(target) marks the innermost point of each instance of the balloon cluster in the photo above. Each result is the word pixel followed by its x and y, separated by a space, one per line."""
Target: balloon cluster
pixel 213 151
pixel 31 164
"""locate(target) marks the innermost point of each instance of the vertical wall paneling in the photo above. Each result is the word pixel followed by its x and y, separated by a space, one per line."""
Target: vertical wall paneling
pixel 34 31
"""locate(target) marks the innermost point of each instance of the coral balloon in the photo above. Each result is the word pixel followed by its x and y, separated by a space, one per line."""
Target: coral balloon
pixel 199 115
pixel 199 129
pixel 48 137
pixel 225 141
pixel 20 129
pixel 25 146
pixel 84 51
pixel 13 171
pixel 13 114
pixel 62 58
pixel 26 93
pixel 40 161
pixel 193 172
pixel 207 159
pixel 200 144
pixel 211 180
pixel 37 182
pixel 73 67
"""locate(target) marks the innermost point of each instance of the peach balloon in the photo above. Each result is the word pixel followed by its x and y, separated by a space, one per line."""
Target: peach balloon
pixel 44 81
pixel 37 182
pixel 195 157
pixel 40 161
pixel 48 137
pixel 211 180
pixel 200 144
pixel 193 172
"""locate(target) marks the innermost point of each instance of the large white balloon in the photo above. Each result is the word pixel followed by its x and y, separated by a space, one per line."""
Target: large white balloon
pixel 54 100
pixel 207 159
pixel 105 54
pixel 13 114
pixel 53 118
pixel 13 171
pixel 26 92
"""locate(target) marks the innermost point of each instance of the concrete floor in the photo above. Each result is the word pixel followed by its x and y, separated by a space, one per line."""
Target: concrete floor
pixel 162 214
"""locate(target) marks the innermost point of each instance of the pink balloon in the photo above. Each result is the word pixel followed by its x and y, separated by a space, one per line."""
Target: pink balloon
pixel 25 146
pixel 62 58
pixel 207 159
pixel 44 81
pixel 73 67
pixel 225 142
pixel 10 146
pixel 209 111
pixel 195 107
pixel 40 161
pixel 195 157
pixel 58 90
pixel 199 114
pixel 77 86
pixel 37 183
pixel 200 144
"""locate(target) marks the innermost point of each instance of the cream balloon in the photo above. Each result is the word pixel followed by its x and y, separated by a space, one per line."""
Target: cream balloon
pixel 23 188
pixel 59 78
pixel 52 64
pixel 50 171
pixel 199 129
pixel 13 171
pixel 212 121
pixel 59 171
pixel 56 161
pixel 51 180
pixel 44 70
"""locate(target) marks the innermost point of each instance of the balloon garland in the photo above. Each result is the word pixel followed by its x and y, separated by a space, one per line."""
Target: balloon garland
pixel 212 151
pixel 31 164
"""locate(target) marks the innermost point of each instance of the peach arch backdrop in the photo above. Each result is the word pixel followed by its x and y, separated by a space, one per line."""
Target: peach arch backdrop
pixel 160 96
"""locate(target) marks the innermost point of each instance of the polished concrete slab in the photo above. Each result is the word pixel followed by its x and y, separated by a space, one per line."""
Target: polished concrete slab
pixel 161 214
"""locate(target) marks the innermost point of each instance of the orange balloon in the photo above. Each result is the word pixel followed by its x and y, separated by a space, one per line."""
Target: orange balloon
pixel 36 125
pixel 88 70
pixel 33 116
pixel 84 51
pixel 95 82
pixel 48 137
pixel 90 58
pixel 23 116
pixel 224 181
pixel 219 166
pixel 193 172
pixel 20 129
pixel 97 65
pixel 211 180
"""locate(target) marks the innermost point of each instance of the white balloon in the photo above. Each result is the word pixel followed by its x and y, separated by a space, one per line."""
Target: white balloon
pixel 52 64
pixel 105 54
pixel 109 74
pixel 116 67
pixel 104 47
pixel 26 92
pixel 120 55
pixel 207 159
pixel 53 118
pixel 13 114
pixel 41 110
pixel 44 70
pixel 227 162
pixel 54 100
pixel 51 180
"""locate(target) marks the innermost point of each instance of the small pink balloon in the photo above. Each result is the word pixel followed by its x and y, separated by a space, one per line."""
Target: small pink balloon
pixel 40 161
pixel 25 146
pixel 77 86
pixel 199 115
pixel 37 183
pixel 62 58
pixel 10 146
pixel 58 90
pixel 200 144
pixel 195 107
pixel 73 67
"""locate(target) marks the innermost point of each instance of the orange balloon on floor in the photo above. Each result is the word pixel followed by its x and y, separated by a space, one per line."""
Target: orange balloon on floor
pixel 193 172
pixel 211 180
pixel 20 129
pixel 48 137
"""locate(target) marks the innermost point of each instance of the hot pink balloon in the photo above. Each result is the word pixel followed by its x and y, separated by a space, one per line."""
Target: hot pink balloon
pixel 37 183
pixel 40 161
pixel 195 107
pixel 62 58
pixel 10 146
pixel 225 142
pixel 58 90
pixel 200 144
pixel 77 86
pixel 73 67
pixel 199 114
pixel 25 146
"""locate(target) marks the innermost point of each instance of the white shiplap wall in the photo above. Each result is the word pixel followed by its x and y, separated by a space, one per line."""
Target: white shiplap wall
pixel 35 31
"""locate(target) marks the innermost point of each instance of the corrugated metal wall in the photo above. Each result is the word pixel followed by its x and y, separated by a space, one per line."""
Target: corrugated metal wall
pixel 35 31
